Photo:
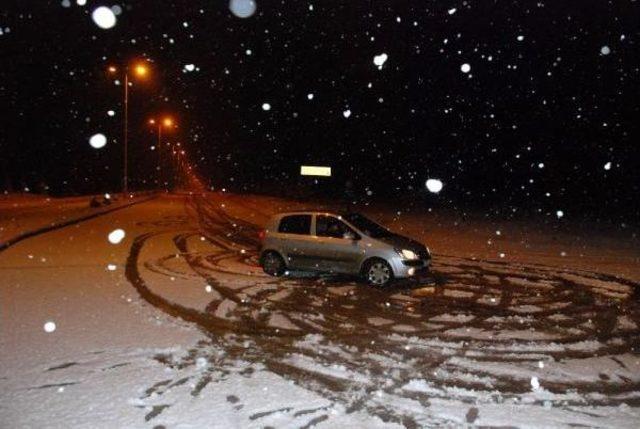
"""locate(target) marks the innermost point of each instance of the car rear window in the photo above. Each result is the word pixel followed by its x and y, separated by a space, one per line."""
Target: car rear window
pixel 295 224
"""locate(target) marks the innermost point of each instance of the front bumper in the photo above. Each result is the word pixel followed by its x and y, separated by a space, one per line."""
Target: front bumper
pixel 403 268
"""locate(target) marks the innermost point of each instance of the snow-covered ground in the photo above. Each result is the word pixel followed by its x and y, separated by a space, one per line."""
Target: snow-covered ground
pixel 23 213
pixel 176 326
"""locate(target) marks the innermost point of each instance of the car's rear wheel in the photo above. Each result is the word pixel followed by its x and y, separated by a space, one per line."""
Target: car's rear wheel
pixel 273 264
pixel 377 272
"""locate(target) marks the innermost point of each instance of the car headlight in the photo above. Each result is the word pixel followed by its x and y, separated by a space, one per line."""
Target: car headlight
pixel 407 254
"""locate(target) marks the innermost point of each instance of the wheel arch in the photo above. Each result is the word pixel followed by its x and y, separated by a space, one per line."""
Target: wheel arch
pixel 369 259
pixel 277 252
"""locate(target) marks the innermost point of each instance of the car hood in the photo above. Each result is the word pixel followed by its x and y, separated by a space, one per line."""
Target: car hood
pixel 401 242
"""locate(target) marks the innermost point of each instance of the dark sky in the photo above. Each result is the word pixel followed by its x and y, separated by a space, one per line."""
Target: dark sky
pixel 531 126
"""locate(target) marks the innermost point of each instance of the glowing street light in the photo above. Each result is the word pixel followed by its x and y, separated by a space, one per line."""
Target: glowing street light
pixel 141 71
pixel 168 123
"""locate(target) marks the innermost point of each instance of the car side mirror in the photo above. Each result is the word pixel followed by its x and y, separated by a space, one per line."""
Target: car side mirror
pixel 351 236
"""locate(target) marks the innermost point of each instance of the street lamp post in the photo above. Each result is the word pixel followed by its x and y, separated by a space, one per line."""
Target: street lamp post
pixel 168 123
pixel 125 179
pixel 140 70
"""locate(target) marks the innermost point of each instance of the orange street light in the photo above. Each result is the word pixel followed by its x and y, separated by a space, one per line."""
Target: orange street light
pixel 168 123
pixel 140 70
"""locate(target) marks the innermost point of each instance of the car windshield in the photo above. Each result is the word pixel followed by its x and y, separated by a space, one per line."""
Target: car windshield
pixel 367 226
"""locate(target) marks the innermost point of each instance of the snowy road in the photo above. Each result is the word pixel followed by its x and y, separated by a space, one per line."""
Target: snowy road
pixel 187 330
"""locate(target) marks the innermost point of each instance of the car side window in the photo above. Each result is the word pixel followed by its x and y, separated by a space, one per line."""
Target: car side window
pixel 329 226
pixel 295 224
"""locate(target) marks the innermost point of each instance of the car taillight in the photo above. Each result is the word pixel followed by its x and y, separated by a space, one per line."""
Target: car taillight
pixel 262 234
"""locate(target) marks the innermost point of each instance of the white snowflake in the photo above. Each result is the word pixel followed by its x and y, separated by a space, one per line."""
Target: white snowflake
pixel 104 17
pixel 379 60
pixel 98 141
pixel 465 68
pixel 49 327
pixel 116 236
pixel 434 185
pixel 242 8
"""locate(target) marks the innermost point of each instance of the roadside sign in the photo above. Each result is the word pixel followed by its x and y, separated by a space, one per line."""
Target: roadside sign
pixel 310 170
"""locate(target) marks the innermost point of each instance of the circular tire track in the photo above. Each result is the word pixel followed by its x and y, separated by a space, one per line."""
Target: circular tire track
pixel 481 312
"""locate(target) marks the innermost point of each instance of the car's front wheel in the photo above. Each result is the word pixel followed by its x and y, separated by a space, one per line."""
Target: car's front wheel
pixel 377 272
pixel 273 264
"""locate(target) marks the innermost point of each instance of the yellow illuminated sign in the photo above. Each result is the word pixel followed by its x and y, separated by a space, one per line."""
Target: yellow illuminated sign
pixel 310 170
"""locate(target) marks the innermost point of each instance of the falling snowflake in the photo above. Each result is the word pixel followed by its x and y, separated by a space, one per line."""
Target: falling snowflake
pixel 104 17
pixel 465 68
pixel 266 106
pixel 346 113
pixel 111 267
pixel 607 166
pixel 434 185
pixel 242 8
pixel 189 67
pixel 309 96
pixel 49 327
pixel 520 38
pixel 452 11
pixel 111 113
pixel 559 213
pixel 605 50
pixel 116 236
pixel 379 60
pixel 98 141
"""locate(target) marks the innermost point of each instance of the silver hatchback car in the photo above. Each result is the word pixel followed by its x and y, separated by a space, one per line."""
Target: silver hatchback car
pixel 346 243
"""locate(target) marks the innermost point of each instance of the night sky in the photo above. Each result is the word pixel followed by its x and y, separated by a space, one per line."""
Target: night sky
pixel 545 120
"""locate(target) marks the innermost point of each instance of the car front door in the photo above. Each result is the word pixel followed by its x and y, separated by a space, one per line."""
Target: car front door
pixel 294 233
pixel 338 244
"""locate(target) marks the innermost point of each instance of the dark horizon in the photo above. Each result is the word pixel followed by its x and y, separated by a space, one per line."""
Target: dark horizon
pixel 551 94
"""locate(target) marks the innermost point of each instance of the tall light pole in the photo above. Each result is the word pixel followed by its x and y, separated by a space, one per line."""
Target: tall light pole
pixel 140 70
pixel 168 123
